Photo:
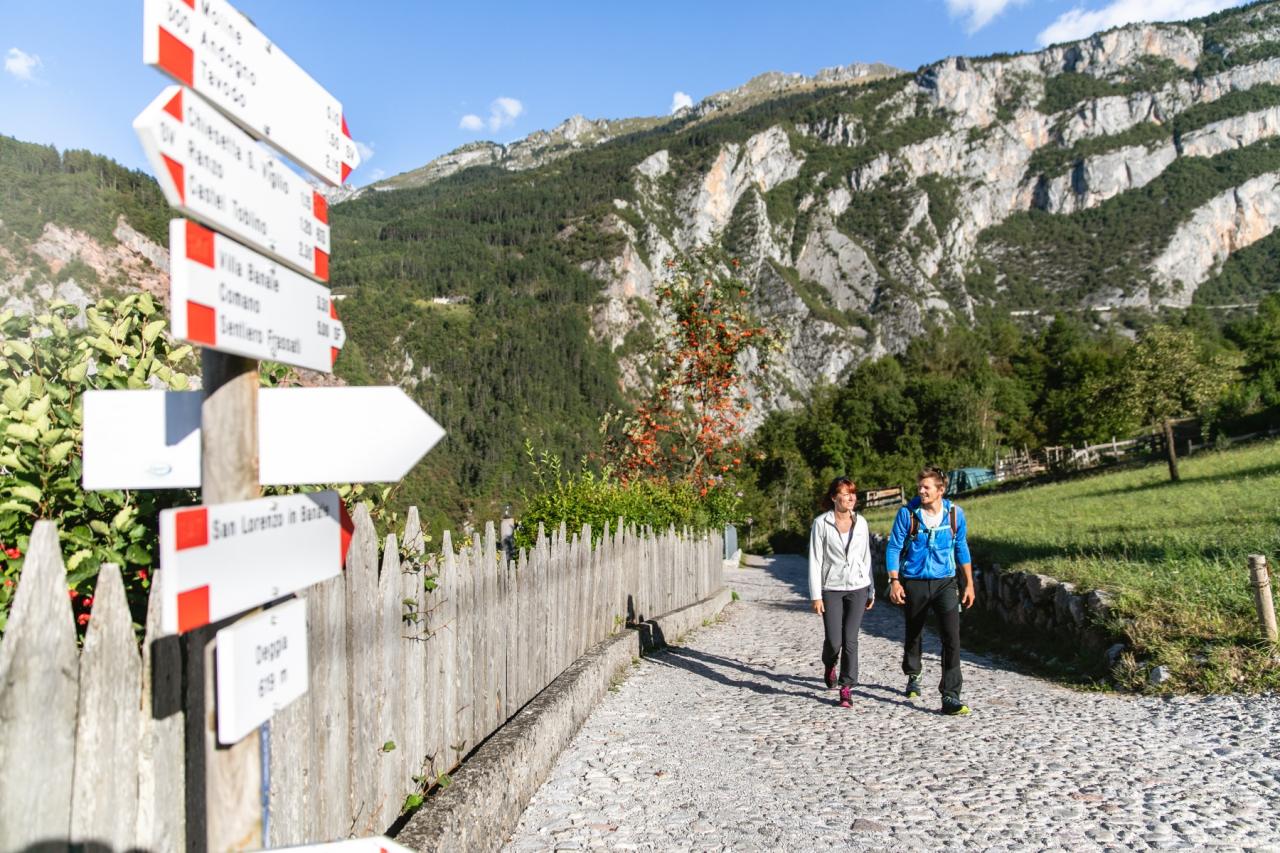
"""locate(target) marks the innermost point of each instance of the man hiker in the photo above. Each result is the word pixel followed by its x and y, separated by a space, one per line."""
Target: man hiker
pixel 927 542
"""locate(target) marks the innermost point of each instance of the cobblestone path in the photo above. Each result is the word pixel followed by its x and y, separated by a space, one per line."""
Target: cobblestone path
pixel 730 742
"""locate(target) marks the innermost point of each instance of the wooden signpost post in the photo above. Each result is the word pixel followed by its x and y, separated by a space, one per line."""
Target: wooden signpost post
pixel 244 268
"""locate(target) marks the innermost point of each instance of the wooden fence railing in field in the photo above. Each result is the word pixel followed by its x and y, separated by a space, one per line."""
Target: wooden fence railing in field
pixel 404 682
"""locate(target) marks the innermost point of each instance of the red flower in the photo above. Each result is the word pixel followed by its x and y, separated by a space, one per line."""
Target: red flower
pixel 83 618
pixel 8 581
pixel 72 593
pixel 142 574
pixel 87 602
pixel 12 553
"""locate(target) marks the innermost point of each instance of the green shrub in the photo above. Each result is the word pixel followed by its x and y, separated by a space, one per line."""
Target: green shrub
pixel 586 497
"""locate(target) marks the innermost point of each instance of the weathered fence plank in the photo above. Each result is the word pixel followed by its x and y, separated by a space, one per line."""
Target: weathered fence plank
pixel 39 681
pixel 448 673
pixel 107 729
pixel 329 698
pixel 413 676
pixel 363 674
pixel 292 794
pixel 161 749
pixel 389 620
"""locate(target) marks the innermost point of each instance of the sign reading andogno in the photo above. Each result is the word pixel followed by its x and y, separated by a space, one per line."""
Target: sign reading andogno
pixel 213 48
pixel 224 559
pixel 262 666
pixel 212 171
pixel 230 298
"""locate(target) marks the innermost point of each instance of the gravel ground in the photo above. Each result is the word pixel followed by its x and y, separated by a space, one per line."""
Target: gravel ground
pixel 731 742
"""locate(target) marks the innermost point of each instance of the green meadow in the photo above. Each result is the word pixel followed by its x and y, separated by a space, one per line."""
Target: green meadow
pixel 1174 555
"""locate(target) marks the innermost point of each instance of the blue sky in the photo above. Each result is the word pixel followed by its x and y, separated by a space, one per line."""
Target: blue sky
pixel 418 79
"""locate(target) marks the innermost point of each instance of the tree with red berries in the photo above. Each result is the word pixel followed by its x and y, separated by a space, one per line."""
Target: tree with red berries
pixel 690 426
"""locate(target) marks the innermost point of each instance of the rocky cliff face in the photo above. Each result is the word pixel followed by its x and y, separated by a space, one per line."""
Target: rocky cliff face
pixel 843 285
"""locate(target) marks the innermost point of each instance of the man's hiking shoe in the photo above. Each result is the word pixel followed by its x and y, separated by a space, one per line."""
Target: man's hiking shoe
pixel 846 697
pixel 955 708
pixel 913 687
pixel 830 676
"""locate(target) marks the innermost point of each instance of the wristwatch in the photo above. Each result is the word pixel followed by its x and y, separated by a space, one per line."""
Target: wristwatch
pixel 893 579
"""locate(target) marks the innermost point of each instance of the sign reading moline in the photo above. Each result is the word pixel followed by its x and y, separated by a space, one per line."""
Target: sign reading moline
pixel 230 298
pixel 212 171
pixel 213 48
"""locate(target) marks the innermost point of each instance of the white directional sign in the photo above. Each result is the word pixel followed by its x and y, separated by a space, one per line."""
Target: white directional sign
pixel 151 439
pixel 231 299
pixel 262 666
pixel 211 47
pixel 212 171
pixel 224 559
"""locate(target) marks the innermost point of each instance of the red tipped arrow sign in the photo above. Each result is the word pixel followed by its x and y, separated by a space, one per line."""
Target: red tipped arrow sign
pixel 231 299
pixel 212 171
pixel 211 47
pixel 224 559
pixel 151 439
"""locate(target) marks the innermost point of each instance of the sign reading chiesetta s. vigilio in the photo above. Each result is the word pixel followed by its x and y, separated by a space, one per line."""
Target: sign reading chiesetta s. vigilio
pixel 212 171
pixel 229 298
pixel 213 48
pixel 224 559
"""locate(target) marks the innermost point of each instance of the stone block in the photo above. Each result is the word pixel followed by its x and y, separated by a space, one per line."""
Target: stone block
pixel 1062 596
pixel 1041 588
pixel 1099 603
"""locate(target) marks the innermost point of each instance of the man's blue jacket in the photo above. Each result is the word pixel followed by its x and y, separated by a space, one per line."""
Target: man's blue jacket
pixel 927 557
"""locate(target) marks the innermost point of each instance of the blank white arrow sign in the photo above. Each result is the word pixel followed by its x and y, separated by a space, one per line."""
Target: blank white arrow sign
pixel 151 439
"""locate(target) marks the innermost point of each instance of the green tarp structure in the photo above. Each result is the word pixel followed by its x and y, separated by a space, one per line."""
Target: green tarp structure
pixel 963 480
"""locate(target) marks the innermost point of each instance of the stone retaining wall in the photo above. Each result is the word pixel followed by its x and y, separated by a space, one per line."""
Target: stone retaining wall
pixel 1050 607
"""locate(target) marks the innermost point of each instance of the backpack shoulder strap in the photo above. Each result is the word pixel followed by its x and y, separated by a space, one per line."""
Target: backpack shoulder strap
pixel 915 526
pixel 954 525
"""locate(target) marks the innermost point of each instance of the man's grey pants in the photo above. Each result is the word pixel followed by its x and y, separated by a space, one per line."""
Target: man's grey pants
pixel 842 620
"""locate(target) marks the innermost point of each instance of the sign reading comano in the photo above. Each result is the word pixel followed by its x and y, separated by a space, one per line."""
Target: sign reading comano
pixel 223 559
pixel 230 298
pixel 210 170
pixel 213 48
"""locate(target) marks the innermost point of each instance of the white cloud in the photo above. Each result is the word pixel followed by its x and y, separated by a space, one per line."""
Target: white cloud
pixel 377 175
pixel 502 113
pixel 1079 22
pixel 679 101
pixel 21 64
pixel 979 12
pixel 365 151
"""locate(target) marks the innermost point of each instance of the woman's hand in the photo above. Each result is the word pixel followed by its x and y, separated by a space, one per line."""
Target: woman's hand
pixel 817 606
pixel 871 602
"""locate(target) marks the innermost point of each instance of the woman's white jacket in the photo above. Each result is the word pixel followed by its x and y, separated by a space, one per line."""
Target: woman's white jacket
pixel 835 560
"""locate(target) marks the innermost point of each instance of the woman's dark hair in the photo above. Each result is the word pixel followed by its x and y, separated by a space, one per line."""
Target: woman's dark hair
pixel 829 499
pixel 932 472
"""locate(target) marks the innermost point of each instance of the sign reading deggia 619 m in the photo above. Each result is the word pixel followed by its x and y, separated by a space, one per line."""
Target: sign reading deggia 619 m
pixel 232 299
pixel 213 172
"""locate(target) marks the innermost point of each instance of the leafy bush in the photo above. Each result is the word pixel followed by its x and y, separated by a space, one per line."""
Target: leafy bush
pixel 600 499
pixel 47 362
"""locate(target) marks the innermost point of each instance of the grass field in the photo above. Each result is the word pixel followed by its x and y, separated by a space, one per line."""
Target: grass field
pixel 1174 555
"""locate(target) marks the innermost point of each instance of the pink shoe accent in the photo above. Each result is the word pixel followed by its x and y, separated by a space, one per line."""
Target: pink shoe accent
pixel 846 697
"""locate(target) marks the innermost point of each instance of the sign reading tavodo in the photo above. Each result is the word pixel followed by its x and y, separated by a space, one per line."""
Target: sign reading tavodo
pixel 213 48
pixel 232 299
pixel 212 171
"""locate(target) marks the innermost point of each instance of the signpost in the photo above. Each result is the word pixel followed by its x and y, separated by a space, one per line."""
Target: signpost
pixel 212 171
pixel 262 666
pixel 353 434
pixel 231 557
pixel 211 47
pixel 226 296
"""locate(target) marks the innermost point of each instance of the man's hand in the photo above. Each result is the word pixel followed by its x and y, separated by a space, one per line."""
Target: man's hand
pixel 967 597
pixel 897 594
pixel 818 607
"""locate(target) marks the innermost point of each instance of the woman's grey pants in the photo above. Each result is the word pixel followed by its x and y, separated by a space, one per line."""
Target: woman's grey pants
pixel 842 619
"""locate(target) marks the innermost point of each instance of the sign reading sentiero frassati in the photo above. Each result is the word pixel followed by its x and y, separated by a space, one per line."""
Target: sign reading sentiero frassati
pixel 224 559
pixel 262 666
pixel 211 47
pixel 232 299
pixel 211 171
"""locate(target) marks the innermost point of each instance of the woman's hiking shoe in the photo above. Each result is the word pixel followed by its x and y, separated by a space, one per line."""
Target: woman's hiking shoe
pixel 846 697
pixel 954 707
pixel 830 676
pixel 913 687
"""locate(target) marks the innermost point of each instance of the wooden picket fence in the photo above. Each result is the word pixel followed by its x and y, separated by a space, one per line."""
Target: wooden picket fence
pixel 404 682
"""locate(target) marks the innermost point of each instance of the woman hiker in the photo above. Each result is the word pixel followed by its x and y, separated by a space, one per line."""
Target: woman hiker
pixel 929 538
pixel 840 582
